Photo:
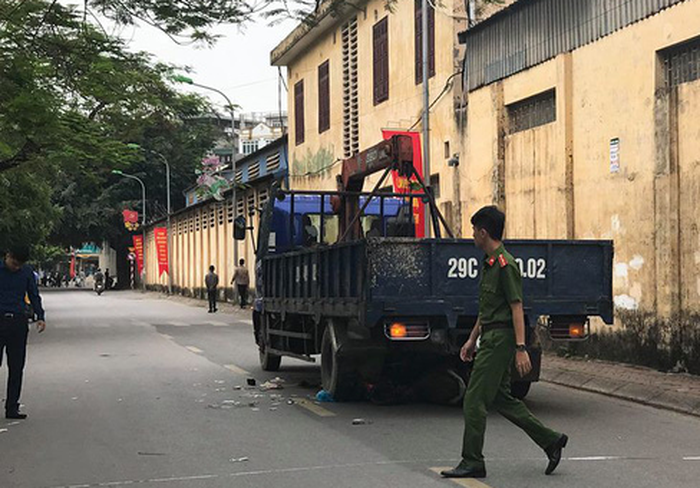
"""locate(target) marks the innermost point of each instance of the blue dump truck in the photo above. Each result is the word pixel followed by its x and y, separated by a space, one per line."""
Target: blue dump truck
pixel 341 274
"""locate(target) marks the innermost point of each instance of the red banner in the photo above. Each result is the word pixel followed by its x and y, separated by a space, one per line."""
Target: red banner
pixel 72 266
pixel 138 249
pixel 161 234
pixel 403 185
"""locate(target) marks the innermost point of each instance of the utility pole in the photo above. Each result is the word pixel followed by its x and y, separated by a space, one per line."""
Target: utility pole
pixel 426 105
pixel 143 219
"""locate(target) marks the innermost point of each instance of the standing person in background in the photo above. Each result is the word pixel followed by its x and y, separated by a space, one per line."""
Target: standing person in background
pixel 241 278
pixel 212 283
pixel 16 282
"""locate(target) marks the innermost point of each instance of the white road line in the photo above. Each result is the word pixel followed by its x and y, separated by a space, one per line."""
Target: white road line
pixel 218 324
pixel 236 369
pixel 313 408
pixel 193 349
pixel 595 458
pixel 178 324
pixel 691 458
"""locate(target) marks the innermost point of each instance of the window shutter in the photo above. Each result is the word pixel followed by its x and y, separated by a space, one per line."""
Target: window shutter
pixel 299 112
pixel 418 50
pixel 324 101
pixel 381 60
pixel 419 41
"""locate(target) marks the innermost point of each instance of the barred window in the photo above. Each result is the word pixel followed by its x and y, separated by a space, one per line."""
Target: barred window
pixel 240 206
pixel 681 63
pixel 532 112
pixel 229 210
pixel 251 203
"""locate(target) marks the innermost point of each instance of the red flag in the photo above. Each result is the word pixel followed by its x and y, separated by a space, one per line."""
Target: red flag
pixel 131 219
pixel 138 247
pixel 403 185
pixel 161 236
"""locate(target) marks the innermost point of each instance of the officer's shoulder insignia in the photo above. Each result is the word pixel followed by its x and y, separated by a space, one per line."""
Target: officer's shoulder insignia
pixel 491 260
pixel 502 261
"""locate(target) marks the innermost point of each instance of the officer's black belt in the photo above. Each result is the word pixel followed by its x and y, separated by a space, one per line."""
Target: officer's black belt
pixel 495 326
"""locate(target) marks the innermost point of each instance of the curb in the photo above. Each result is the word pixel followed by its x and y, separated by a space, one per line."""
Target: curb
pixel 634 392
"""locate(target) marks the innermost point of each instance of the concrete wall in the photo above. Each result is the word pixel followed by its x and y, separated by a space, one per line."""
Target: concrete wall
pixel 555 181
pixel 203 236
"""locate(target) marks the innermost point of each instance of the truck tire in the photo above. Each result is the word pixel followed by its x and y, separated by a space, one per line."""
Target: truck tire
pixel 520 389
pixel 268 361
pixel 336 377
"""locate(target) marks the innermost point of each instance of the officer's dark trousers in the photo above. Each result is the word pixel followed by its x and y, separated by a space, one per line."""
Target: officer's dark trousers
pixel 13 342
pixel 211 295
pixel 489 386
pixel 243 294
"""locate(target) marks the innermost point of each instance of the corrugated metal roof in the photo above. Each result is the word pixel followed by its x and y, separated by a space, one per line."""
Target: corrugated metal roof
pixel 530 32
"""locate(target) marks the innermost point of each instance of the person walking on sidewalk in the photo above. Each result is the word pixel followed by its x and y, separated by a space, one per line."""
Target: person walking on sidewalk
pixel 16 282
pixel 212 282
pixel 241 278
pixel 501 325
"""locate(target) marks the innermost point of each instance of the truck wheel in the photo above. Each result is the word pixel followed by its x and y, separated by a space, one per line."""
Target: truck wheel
pixel 336 378
pixel 520 389
pixel 268 361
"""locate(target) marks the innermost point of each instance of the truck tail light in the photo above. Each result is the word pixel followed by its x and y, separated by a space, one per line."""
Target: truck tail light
pixel 406 331
pixel 569 328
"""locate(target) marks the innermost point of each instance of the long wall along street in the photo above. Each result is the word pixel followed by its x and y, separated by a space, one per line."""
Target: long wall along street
pixel 540 108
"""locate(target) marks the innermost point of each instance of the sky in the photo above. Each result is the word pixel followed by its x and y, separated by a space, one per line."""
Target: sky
pixel 238 64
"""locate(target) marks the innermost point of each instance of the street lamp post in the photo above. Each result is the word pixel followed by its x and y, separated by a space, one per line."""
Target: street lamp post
pixel 190 81
pixel 143 218
pixel 167 184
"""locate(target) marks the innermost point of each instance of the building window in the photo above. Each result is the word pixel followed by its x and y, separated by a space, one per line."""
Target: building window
pixel 435 185
pixel 681 63
pixel 250 146
pixel 418 10
pixel 324 98
pixel 351 101
pixel 532 112
pixel 380 34
pixel 299 112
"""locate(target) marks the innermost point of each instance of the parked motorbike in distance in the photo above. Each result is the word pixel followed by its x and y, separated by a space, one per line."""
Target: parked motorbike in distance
pixel 99 288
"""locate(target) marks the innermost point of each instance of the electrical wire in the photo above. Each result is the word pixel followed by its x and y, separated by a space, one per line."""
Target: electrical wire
pixel 448 85
pixel 444 12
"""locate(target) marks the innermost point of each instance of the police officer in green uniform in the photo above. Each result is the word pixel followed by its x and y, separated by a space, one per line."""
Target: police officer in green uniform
pixel 501 324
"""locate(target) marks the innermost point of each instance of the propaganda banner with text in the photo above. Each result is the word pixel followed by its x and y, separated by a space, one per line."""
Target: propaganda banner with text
pixel 161 234
pixel 138 248
pixel 404 185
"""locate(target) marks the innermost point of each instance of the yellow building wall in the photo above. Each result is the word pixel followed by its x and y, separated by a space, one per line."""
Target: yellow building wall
pixel 400 112
pixel 605 90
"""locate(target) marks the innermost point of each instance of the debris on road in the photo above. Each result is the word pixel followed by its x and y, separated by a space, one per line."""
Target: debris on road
pixel 275 384
pixel 361 422
pixel 324 396
pixel 239 460
pixel 251 381
pixel 2 431
pixel 290 402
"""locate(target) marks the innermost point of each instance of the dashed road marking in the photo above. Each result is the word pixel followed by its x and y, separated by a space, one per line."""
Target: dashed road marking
pixel 178 324
pixel 236 369
pixel 313 408
pixel 468 482
pixel 193 349
pixel 595 458
pixel 691 458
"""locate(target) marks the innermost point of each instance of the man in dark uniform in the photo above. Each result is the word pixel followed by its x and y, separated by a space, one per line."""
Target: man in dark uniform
pixel 501 324
pixel 16 281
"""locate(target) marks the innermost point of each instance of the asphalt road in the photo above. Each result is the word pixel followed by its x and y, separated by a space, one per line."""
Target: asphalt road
pixel 135 390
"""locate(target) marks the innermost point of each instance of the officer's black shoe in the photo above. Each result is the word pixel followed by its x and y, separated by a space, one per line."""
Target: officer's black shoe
pixel 463 471
pixel 554 453
pixel 15 416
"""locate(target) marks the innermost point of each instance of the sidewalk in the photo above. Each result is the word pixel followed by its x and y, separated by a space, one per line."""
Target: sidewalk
pixel 678 392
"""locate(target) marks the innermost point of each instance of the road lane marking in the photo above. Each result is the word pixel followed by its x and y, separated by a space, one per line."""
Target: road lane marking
pixel 235 369
pixel 691 458
pixel 218 324
pixel 178 324
pixel 313 408
pixel 468 482
pixel 595 458
pixel 195 350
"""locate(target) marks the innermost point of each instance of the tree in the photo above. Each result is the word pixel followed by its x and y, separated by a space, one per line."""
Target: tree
pixel 71 99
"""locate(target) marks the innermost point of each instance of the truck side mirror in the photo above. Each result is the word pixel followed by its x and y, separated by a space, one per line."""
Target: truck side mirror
pixel 239 227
